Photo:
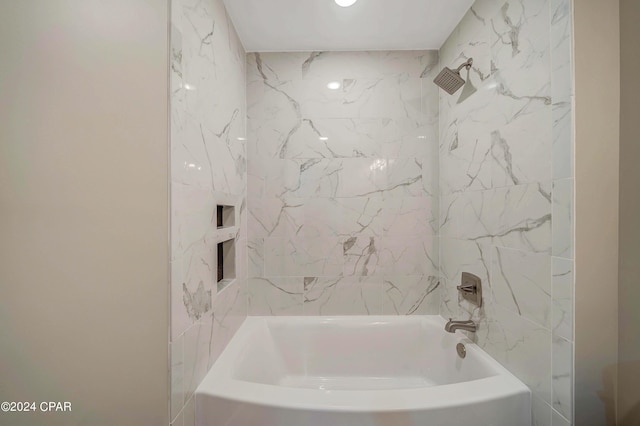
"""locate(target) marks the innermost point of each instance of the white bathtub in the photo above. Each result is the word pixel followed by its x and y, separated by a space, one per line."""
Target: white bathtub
pixel 357 371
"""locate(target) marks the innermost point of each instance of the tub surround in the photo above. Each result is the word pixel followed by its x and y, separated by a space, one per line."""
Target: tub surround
pixel 208 168
pixel 506 192
pixel 342 183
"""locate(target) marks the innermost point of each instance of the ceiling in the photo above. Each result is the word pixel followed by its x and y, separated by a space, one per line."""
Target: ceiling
pixel 306 25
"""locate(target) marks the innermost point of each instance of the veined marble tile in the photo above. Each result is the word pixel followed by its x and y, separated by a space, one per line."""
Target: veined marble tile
pixel 197 341
pixel 229 311
pixel 563 166
pixel 190 159
pixel 276 217
pixel 410 63
pixel 560 39
pixel 180 319
pixel 403 177
pixel 360 216
pixel 522 150
pixel 354 98
pixel 275 67
pixel 189 412
pixel 334 65
pixel 255 257
pixel 520 37
pixel 521 282
pixel 562 313
pixel 409 216
pixel 411 295
pixel 342 296
pixel 563 218
pixel 465 160
pixel 362 256
pixel 521 217
pixel 558 420
pixel 467 215
pixel 177 376
pixel 523 347
pixel 275 296
pixel 563 377
pixel 409 256
pixel 191 218
pixel 285 257
pixel 336 138
pixel 540 412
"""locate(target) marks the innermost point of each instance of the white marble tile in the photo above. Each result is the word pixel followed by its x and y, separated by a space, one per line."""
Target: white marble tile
pixel 360 216
pixel 523 347
pixel 563 157
pixel 466 215
pixel 180 320
pixel 404 178
pixel 276 67
pixel 334 65
pixel 356 98
pixel 562 312
pixel 229 311
pixel 197 340
pixel 521 217
pixel 362 256
pixel 563 218
pixel 411 295
pixel 342 296
pixel 558 420
pixel 190 412
pixel 409 216
pixel 336 138
pixel 520 41
pixel 255 257
pixel 562 374
pixel 410 256
pixel 521 150
pixel 275 296
pixel 177 376
pixel 521 282
pixel 540 412
pixel 465 160
pixel 299 256
pixel 411 63
pixel 560 40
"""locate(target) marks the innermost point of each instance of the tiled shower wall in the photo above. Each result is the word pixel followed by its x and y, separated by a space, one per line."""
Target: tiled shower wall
pixel 342 183
pixel 506 191
pixel 208 167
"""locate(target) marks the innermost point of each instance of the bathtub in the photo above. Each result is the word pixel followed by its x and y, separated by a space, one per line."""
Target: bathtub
pixel 357 371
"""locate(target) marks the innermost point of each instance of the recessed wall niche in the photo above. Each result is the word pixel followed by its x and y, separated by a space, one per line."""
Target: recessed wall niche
pixel 225 216
pixel 226 263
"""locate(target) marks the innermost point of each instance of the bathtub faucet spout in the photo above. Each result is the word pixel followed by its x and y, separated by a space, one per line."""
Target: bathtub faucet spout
pixel 452 326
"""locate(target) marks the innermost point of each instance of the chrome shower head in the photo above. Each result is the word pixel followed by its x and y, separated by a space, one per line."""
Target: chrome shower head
pixel 449 80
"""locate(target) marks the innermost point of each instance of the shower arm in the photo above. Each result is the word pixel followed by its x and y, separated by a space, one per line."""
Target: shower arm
pixel 466 65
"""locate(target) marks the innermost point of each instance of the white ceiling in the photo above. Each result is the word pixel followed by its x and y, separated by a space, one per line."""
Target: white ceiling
pixel 305 25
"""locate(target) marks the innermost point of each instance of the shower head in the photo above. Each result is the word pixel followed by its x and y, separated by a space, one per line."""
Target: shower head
pixel 449 80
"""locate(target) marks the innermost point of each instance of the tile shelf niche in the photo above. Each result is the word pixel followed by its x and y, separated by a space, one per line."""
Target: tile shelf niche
pixel 226 232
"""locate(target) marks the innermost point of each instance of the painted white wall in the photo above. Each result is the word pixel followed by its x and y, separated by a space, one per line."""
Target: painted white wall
pixel 84 210
pixel 597 121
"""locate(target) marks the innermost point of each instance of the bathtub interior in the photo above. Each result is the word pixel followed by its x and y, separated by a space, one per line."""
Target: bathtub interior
pixel 356 354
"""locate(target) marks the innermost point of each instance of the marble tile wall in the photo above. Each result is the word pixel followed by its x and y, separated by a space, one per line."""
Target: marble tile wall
pixel 208 167
pixel 342 184
pixel 506 191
